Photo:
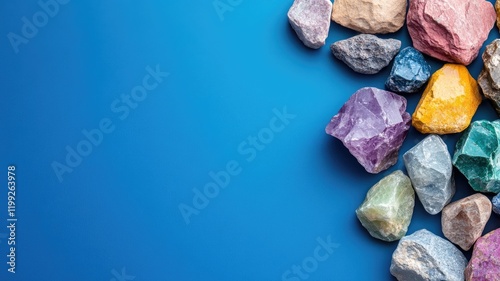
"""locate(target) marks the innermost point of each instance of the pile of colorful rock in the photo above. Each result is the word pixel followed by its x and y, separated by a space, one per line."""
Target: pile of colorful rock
pixel 373 125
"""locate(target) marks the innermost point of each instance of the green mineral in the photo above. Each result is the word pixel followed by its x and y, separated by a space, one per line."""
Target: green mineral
pixel 388 207
pixel 477 155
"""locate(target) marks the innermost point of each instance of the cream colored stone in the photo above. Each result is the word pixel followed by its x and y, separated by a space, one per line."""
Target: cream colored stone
pixel 370 16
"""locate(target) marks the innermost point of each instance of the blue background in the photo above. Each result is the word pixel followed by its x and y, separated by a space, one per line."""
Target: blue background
pixel 119 209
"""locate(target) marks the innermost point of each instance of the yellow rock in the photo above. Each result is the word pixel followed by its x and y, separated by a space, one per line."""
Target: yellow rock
pixel 448 103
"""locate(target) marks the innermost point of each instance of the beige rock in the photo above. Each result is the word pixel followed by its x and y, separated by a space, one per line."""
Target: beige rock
pixel 463 221
pixel 497 9
pixel 370 16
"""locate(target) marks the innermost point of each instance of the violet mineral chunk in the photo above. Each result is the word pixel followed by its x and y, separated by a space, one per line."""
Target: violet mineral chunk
pixel 372 124
pixel 485 261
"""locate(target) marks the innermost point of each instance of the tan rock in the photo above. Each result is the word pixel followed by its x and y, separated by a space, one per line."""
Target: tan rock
pixel 370 16
pixel 463 221
pixel 497 9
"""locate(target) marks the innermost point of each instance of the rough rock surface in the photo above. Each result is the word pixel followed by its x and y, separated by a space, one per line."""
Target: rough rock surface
pixel 365 53
pixel 477 153
pixel 409 72
pixel 372 124
pixel 429 166
pixel 484 264
pixel 449 101
pixel 370 16
pixel 426 256
pixel 388 207
pixel 495 201
pixel 489 79
pixel 450 30
pixel 463 221
pixel 311 21
pixel 497 9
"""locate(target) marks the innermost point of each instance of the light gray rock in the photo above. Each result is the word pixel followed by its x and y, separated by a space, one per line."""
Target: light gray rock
pixel 366 53
pixel 424 256
pixel 489 78
pixel 431 172
pixel 311 21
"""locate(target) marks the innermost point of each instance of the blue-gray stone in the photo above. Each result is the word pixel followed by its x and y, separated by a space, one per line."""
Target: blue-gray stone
pixel 429 166
pixel 496 204
pixel 426 256
pixel 409 72
pixel 366 53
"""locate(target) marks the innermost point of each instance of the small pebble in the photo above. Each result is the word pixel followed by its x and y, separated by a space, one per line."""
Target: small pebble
pixel 495 201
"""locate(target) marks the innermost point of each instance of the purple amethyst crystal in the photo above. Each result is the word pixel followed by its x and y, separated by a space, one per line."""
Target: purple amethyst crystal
pixel 372 124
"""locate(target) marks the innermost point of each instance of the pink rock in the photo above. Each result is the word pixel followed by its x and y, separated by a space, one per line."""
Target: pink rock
pixel 450 30
pixel 485 261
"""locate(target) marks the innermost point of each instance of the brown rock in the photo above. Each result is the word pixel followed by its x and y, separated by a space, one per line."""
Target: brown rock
pixel 370 16
pixel 463 221
pixel 497 9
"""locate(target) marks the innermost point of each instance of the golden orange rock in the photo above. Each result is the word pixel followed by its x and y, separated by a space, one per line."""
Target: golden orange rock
pixel 448 103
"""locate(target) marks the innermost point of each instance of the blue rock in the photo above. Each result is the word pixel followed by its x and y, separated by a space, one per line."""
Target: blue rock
pixel 409 72
pixel 426 256
pixel 496 204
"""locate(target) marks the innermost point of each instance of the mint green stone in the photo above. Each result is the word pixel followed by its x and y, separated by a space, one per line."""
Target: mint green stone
pixel 388 207
pixel 477 155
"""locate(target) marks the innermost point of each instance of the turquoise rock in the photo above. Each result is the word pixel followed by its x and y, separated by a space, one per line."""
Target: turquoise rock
pixel 477 155
pixel 388 207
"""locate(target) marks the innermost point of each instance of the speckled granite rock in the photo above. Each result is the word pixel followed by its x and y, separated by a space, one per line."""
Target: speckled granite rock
pixel 489 78
pixel 450 30
pixel 426 256
pixel 409 72
pixel 370 16
pixel 484 264
pixel 372 124
pixel 388 207
pixel 429 166
pixel 365 53
pixel 463 221
pixel 311 21
pixel 477 153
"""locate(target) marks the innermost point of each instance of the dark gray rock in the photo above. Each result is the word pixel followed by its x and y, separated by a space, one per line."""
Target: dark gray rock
pixel 489 79
pixel 366 53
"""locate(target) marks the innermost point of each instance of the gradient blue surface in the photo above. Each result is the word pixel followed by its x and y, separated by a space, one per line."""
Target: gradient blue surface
pixel 116 215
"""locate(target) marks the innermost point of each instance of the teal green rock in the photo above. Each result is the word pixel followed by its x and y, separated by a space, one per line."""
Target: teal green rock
pixel 388 207
pixel 477 155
